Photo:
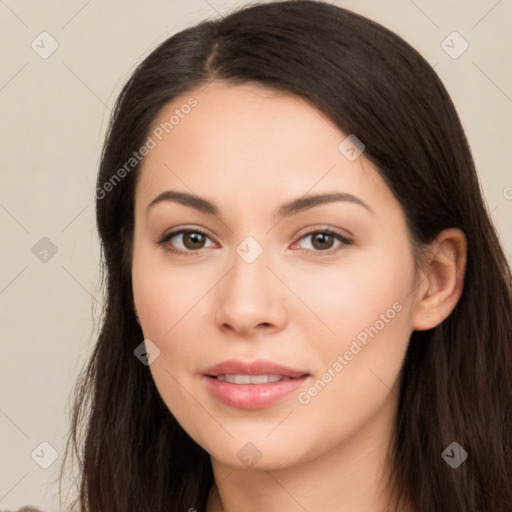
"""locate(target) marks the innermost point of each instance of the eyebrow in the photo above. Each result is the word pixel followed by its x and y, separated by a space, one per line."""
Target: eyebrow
pixel 285 210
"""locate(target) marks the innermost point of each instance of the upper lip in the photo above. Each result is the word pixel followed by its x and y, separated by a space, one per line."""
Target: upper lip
pixel 258 367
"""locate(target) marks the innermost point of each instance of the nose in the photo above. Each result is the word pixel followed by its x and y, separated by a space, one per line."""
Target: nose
pixel 250 300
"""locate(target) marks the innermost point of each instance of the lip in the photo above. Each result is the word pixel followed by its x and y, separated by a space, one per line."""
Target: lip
pixel 252 396
pixel 258 367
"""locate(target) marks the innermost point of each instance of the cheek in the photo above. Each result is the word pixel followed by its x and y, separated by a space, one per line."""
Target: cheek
pixel 356 378
pixel 163 294
pixel 365 307
pixel 168 304
pixel 171 304
pixel 364 289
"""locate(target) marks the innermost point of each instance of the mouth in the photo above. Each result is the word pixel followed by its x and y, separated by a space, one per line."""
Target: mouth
pixel 253 379
pixel 253 385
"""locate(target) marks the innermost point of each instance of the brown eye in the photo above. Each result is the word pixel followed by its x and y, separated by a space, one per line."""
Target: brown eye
pixel 322 241
pixel 193 240
pixel 325 241
pixel 185 241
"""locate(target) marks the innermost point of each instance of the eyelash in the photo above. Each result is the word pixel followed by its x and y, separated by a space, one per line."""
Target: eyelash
pixel 342 239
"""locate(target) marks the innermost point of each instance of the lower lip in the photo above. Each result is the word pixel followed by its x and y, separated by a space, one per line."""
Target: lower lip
pixel 252 396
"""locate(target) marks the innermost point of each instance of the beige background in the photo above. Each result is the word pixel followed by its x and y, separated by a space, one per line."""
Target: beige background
pixel 53 115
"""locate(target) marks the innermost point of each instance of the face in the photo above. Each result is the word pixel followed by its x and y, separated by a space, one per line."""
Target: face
pixel 252 270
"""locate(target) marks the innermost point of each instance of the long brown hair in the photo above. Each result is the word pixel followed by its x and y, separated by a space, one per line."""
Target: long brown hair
pixel 456 385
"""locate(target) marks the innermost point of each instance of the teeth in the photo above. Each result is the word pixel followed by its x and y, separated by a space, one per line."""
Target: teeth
pixel 251 379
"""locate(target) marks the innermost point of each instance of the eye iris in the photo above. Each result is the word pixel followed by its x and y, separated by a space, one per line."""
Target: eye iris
pixel 323 238
pixel 197 240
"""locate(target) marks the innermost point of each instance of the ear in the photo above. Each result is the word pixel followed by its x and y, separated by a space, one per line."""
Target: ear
pixel 442 280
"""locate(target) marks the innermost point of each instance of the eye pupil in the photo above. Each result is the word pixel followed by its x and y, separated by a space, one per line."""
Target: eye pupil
pixel 197 240
pixel 323 238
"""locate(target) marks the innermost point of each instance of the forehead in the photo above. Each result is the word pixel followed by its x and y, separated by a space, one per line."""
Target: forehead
pixel 249 142
pixel 243 120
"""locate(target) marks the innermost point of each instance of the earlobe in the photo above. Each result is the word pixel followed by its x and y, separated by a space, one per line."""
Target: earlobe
pixel 442 281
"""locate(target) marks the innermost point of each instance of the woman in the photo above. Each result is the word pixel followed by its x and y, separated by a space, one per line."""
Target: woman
pixel 308 307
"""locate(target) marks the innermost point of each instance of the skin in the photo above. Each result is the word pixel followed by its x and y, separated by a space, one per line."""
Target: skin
pixel 248 150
